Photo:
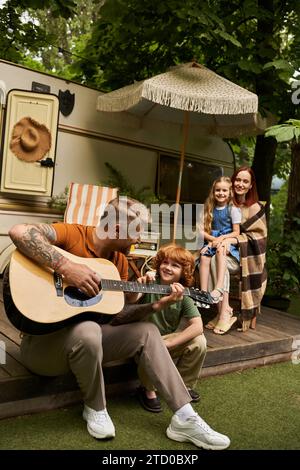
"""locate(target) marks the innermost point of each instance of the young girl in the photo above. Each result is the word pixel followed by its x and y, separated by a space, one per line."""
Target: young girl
pixel 221 220
pixel 179 322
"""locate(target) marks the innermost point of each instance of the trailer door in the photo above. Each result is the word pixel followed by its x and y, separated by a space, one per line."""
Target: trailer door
pixel 21 175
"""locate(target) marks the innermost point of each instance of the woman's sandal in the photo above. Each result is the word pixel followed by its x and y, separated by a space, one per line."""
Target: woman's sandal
pixel 217 298
pixel 212 323
pixel 223 326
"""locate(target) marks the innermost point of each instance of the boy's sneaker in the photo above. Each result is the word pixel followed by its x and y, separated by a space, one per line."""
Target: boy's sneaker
pixel 99 424
pixel 195 430
pixel 194 395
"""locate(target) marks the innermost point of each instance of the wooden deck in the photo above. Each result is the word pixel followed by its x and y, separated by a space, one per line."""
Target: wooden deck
pixel 23 392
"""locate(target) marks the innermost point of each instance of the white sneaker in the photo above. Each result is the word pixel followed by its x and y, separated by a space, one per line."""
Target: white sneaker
pixel 99 424
pixel 197 431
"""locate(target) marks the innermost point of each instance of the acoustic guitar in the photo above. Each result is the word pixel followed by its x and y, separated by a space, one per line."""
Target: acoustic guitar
pixel 45 302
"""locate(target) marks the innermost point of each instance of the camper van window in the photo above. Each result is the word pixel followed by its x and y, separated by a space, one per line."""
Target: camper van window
pixel 197 179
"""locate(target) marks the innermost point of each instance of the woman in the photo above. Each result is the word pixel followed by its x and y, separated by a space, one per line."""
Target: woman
pixel 252 245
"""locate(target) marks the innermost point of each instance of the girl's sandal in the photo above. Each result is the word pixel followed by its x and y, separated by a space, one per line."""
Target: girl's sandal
pixel 217 298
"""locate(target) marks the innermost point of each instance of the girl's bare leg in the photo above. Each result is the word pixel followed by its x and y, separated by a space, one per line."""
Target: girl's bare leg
pixel 204 272
pixel 204 268
pixel 221 262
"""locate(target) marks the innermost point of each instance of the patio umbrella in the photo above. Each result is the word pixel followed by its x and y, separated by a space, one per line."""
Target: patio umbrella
pixel 193 95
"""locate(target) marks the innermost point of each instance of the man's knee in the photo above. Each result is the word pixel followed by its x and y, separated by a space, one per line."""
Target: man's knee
pixel 146 334
pixel 89 335
pixel 146 329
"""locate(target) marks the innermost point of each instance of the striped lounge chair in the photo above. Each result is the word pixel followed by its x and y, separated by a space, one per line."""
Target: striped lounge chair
pixel 86 203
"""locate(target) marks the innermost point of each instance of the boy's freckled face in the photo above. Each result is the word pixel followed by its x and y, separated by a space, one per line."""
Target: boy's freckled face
pixel 170 271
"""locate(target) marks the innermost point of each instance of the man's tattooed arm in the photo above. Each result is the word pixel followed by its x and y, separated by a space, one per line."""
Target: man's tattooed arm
pixel 132 313
pixel 35 241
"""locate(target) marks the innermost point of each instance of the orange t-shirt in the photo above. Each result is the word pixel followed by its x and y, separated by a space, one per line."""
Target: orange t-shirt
pixel 78 240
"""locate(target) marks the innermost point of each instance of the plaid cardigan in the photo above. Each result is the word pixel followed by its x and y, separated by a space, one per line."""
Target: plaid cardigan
pixel 253 245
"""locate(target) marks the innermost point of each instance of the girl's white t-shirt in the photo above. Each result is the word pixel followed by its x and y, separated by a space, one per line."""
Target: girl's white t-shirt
pixel 235 212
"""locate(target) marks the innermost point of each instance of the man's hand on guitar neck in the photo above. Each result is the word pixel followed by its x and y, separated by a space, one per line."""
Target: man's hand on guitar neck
pixel 80 276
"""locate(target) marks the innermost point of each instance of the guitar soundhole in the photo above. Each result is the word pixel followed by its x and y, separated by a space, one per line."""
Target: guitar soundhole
pixel 76 298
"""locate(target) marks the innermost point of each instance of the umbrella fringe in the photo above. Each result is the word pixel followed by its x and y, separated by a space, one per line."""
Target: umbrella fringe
pixel 122 102
pixel 207 105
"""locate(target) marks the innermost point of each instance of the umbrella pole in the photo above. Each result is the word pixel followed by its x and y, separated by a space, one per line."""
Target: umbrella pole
pixel 182 154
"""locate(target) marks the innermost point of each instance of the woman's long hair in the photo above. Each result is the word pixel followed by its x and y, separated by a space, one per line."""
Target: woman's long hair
pixel 210 202
pixel 181 256
pixel 251 195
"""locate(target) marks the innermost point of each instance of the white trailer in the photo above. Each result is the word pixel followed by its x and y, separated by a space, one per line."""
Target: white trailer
pixel 146 153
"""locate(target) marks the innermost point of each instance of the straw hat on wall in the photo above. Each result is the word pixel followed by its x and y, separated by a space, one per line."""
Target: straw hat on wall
pixel 30 140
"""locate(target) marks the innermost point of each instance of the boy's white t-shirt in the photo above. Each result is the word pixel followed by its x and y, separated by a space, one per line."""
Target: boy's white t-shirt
pixel 235 213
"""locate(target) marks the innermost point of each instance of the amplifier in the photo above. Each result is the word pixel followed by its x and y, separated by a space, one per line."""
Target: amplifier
pixel 148 246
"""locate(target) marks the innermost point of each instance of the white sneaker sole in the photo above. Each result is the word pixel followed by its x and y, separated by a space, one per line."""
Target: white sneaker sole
pixel 93 433
pixel 181 437
pixel 100 436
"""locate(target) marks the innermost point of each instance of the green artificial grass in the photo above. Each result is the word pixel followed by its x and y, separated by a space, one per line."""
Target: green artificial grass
pixel 257 409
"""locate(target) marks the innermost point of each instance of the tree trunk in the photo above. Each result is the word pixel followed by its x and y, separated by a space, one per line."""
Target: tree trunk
pixel 293 201
pixel 265 149
pixel 263 162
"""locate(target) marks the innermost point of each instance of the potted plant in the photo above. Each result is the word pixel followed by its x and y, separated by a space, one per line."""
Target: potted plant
pixel 59 202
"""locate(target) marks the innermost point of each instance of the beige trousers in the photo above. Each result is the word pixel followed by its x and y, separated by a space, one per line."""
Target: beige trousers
pixel 232 268
pixel 83 347
pixel 188 357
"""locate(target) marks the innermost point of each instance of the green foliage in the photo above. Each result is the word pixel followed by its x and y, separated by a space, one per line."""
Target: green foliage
pixel 243 148
pixel 20 34
pixel 65 38
pixel 285 134
pixel 50 27
pixel 282 165
pixel 117 180
pixel 63 8
pixel 283 262
pixel 283 255
pixel 127 47
pixel 280 65
pixel 277 212
pixel 290 130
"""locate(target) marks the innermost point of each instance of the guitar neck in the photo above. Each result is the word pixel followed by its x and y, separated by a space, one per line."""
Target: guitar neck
pixel 126 286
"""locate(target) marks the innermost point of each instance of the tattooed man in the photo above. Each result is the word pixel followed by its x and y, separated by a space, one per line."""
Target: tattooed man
pixel 83 347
